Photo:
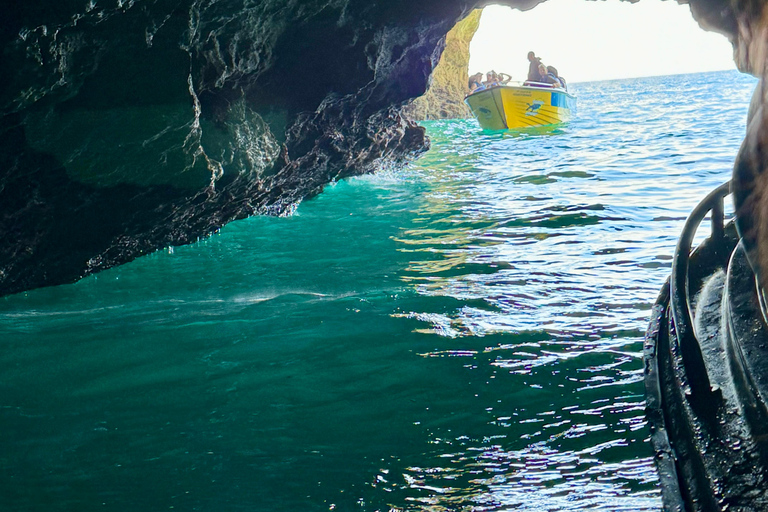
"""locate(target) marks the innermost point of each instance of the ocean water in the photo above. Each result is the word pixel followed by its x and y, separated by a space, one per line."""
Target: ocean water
pixel 464 334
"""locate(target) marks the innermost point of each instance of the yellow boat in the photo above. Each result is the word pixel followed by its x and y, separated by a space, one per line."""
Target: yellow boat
pixel 502 107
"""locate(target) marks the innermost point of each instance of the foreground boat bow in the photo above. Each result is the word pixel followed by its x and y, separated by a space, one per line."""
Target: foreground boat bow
pixel 706 373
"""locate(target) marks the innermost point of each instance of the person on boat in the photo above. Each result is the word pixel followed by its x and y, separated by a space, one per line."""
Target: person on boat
pixel 552 72
pixel 491 79
pixel 545 77
pixel 475 82
pixel 533 67
pixel 541 79
pixel 504 78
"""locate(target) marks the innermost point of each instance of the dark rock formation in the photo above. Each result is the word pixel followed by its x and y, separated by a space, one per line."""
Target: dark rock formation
pixel 750 174
pixel 445 97
pixel 132 125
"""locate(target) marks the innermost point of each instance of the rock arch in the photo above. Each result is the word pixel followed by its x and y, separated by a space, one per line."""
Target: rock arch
pixel 134 126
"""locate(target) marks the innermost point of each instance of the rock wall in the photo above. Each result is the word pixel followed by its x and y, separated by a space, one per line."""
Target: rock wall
pixel 131 125
pixel 746 24
pixel 445 97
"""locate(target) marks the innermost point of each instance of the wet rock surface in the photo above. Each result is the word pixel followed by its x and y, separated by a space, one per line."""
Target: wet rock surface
pixel 133 125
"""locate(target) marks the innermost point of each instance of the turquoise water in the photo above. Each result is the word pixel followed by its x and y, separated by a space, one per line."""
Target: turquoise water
pixel 463 334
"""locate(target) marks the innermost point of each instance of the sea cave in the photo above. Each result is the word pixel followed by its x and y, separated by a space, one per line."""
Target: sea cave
pixel 133 126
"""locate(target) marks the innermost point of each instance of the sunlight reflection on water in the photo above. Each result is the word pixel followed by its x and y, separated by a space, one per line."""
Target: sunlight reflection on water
pixel 464 334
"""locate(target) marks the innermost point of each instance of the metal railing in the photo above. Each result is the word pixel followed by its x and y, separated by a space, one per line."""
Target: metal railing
pixel 702 393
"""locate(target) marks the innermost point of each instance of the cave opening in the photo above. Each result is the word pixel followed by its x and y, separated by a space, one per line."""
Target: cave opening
pixel 593 41
pixel 585 41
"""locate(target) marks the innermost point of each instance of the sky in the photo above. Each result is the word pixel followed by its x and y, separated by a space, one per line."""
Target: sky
pixel 598 40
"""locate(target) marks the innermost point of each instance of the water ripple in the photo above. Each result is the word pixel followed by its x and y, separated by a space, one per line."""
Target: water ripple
pixel 464 334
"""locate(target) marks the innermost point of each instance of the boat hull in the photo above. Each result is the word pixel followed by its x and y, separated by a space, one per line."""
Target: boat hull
pixel 706 368
pixel 512 107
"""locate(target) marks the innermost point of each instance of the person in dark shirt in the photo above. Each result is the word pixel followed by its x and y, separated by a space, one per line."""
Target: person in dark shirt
pixel 552 71
pixel 533 67
pixel 545 77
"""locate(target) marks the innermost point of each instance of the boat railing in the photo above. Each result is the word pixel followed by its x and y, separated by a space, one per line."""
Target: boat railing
pixel 531 83
pixel 701 390
pixel 527 83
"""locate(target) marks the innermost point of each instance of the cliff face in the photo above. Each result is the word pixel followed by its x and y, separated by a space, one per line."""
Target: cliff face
pixel 133 125
pixel 445 97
